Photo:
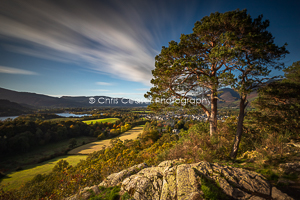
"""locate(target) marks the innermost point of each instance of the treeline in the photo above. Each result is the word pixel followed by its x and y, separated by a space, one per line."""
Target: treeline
pixel 21 136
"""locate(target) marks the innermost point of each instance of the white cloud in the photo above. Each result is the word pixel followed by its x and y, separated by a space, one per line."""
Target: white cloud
pixel 120 38
pixel 11 70
pixel 109 39
pixel 104 83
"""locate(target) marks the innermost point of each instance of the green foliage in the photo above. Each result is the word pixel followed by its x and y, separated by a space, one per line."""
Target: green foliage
pixel 196 144
pixel 110 193
pixel 72 143
pixel 210 190
pixel 269 174
pixel 22 136
pixel 61 166
pixel 278 105
pixel 109 120
pixel 125 196
pixel 101 136
pixel 65 180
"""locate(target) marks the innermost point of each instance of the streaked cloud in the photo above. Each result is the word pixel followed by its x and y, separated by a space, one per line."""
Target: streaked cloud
pixel 104 83
pixel 11 70
pixel 119 38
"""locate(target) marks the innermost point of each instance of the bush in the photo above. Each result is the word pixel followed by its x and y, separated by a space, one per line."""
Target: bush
pixel 72 143
pixel 211 191
pixel 101 136
pixel 111 193
pixel 196 144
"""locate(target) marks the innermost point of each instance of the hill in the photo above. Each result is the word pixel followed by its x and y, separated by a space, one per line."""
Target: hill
pixel 43 101
pixel 227 98
pixel 104 101
pixel 35 100
pixel 8 108
pixel 230 98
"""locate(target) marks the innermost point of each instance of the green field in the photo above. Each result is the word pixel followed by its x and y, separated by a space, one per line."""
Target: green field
pixel 39 153
pixel 141 111
pixel 96 146
pixel 16 179
pixel 109 120
pixel 65 119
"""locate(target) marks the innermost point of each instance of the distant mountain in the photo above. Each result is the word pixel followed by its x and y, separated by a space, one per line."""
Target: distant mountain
pixel 230 98
pixel 104 101
pixel 8 108
pixel 43 101
pixel 35 100
pixel 228 95
pixel 227 98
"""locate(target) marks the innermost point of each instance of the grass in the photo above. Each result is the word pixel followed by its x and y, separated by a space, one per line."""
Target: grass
pixel 16 179
pixel 108 120
pixel 142 111
pixel 40 153
pixel 98 145
pixel 210 190
pixel 65 119
pixel 110 193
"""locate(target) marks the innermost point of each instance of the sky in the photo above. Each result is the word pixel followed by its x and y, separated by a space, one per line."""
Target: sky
pixel 99 47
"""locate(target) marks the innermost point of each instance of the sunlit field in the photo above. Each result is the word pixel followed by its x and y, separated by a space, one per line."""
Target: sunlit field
pixel 108 120
pixel 141 111
pixel 96 146
pixel 65 119
pixel 16 179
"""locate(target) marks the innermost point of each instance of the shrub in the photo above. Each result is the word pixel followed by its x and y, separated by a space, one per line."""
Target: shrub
pixel 111 193
pixel 196 144
pixel 211 191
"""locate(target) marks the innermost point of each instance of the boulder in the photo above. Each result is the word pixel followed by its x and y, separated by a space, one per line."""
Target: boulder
pixel 175 180
pixel 172 180
pixel 288 168
pixel 116 178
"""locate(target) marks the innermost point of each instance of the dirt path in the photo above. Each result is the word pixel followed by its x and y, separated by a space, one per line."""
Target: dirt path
pixel 96 146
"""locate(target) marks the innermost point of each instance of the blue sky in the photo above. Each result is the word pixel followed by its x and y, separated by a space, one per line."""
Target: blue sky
pixel 89 48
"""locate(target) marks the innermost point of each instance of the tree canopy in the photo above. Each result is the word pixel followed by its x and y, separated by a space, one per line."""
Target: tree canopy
pixel 278 105
pixel 207 59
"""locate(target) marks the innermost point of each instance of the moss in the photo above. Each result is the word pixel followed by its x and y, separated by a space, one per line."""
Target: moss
pixel 92 192
pixel 125 196
pixel 211 190
pixel 269 174
pixel 110 193
pixel 292 176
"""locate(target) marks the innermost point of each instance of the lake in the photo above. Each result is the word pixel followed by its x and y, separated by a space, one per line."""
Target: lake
pixel 59 114
pixel 11 117
pixel 72 115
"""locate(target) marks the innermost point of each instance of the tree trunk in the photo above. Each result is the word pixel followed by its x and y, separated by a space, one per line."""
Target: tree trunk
pixel 239 131
pixel 213 115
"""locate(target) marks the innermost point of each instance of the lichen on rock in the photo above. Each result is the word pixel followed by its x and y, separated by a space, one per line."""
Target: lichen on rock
pixel 174 180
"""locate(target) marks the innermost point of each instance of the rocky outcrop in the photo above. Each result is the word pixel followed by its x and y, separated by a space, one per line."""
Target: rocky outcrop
pixel 174 180
pixel 117 178
pixel 288 168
